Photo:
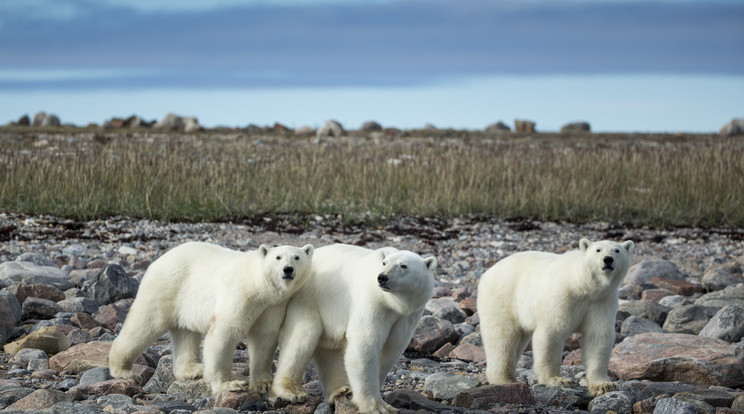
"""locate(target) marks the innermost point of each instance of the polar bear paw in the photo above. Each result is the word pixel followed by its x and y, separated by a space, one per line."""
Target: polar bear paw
pixel 376 407
pixel 229 386
pixel 602 387
pixel 260 386
pixel 189 371
pixel 343 391
pixel 289 390
pixel 557 382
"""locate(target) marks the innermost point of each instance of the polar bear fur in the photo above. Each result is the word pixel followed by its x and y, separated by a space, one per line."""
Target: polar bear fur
pixel 548 297
pixel 354 319
pixel 200 289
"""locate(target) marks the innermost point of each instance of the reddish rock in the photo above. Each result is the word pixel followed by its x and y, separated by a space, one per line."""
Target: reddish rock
pixel 114 313
pixel 84 321
pixel 482 398
pixel 431 333
pixel 655 295
pixel 468 352
pixel 678 357
pixel 23 291
pixel 679 287
pixel 235 399
pixel 444 351
pixel 83 357
pixel 307 407
pixel 113 386
pixel 40 399
pixel 467 305
pixel 573 358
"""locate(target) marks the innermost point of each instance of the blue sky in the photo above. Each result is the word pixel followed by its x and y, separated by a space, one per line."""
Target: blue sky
pixel 620 65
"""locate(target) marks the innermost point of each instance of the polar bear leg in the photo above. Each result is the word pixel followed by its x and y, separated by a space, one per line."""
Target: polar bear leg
pixel 219 349
pixel 503 345
pixel 299 337
pixel 546 349
pixel 138 332
pixel 597 341
pixel 262 342
pixel 186 363
pixel 331 372
pixel 362 362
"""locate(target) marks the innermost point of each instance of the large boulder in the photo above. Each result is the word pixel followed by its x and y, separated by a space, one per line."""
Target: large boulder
pixel 646 270
pixel 735 127
pixel 524 126
pixel 30 273
pixel 575 127
pixel 678 357
pixel 726 324
pixel 10 315
pixel 110 285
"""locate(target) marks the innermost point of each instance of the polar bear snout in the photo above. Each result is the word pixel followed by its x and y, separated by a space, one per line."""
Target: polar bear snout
pixel 383 281
pixel 288 273
pixel 608 263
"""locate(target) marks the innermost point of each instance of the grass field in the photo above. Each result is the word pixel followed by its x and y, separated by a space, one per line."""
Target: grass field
pixel 656 180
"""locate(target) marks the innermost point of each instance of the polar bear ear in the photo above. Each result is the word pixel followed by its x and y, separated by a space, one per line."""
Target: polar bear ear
pixel 264 249
pixel 308 249
pixel 431 263
pixel 584 244
pixel 629 246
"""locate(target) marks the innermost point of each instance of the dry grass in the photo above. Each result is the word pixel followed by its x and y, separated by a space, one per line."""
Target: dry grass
pixel 658 181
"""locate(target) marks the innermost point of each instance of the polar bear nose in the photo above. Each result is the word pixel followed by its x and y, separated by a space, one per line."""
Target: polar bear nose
pixel 288 270
pixel 382 279
pixel 608 260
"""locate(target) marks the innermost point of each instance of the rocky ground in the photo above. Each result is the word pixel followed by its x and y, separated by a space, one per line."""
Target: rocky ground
pixel 67 286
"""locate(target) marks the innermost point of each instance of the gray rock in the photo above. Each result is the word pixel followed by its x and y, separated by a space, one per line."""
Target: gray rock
pixel 574 127
pixel 23 356
pixel 117 401
pixel 68 407
pixel 498 127
pixel 11 393
pixel 331 129
pixel 189 389
pixel 620 402
pixel 726 324
pixel 94 375
pixel 38 364
pixel 66 384
pixel 37 259
pixel 111 285
pixel 447 309
pixel 645 309
pixel 732 295
pixel 645 270
pixel 370 126
pixel 444 386
pixel 674 301
pixel 735 127
pixel 79 304
pixel 721 277
pixel 674 406
pixel 162 378
pixel 635 325
pixel 562 397
pixel 324 408
pixel 690 319
pixel 29 273
pixel 473 339
pixel 10 315
pixel 36 308
pixel 171 122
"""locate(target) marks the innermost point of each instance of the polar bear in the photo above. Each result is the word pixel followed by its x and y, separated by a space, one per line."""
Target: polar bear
pixel 201 288
pixel 548 297
pixel 354 319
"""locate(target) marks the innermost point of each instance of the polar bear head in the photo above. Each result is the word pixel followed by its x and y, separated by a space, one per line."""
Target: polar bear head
pixel 287 267
pixel 608 258
pixel 407 275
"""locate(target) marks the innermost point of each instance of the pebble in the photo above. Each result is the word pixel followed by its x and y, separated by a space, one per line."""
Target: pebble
pixel 684 281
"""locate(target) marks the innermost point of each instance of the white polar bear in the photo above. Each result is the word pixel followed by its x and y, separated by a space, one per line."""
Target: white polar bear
pixel 354 319
pixel 548 297
pixel 201 288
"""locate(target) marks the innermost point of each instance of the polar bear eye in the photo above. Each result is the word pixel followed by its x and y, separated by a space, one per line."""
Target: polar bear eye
pixel 297 258
pixel 278 258
pixel 598 250
pixel 617 250
pixel 403 266
pixel 384 264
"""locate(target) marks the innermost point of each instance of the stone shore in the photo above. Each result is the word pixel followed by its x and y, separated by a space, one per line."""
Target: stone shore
pixel 66 287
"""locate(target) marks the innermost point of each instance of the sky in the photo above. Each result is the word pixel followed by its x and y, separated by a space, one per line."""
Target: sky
pixel 621 65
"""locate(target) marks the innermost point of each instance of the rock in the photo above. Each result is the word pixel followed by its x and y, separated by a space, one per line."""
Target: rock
pixel 189 389
pixel 78 305
pixel 49 339
pixel 79 336
pixel 35 308
pixel 674 406
pixel 722 276
pixel 468 352
pixel 111 315
pixel 734 127
pixel 29 273
pixel 561 397
pixel 645 309
pixel 474 338
pixel 635 325
pixel 235 400
pixel 331 129
pixel 431 333
pixel 575 127
pixel 118 402
pixel 680 287
pixel 678 357
pixel 498 127
pixel 23 121
pixel 689 319
pixel 304 131
pixel 524 126
pixel 44 119
pixel 655 295
pixel 82 357
pixel 727 324
pixel 163 376
pixel 84 321
pixel 370 126
pixel 732 295
pixel 674 301
pixel 23 356
pixel 94 375
pixel 447 309
pixel 615 401
pixel 191 124
pixel 171 122
pixel 114 386
pixel 40 399
pixel 412 400
pixel 645 270
pixel 111 285
pixel 23 291
pixel 701 406
pixel 483 398
pixel 11 393
pixel 444 386
pixel 10 315
pixel 36 258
